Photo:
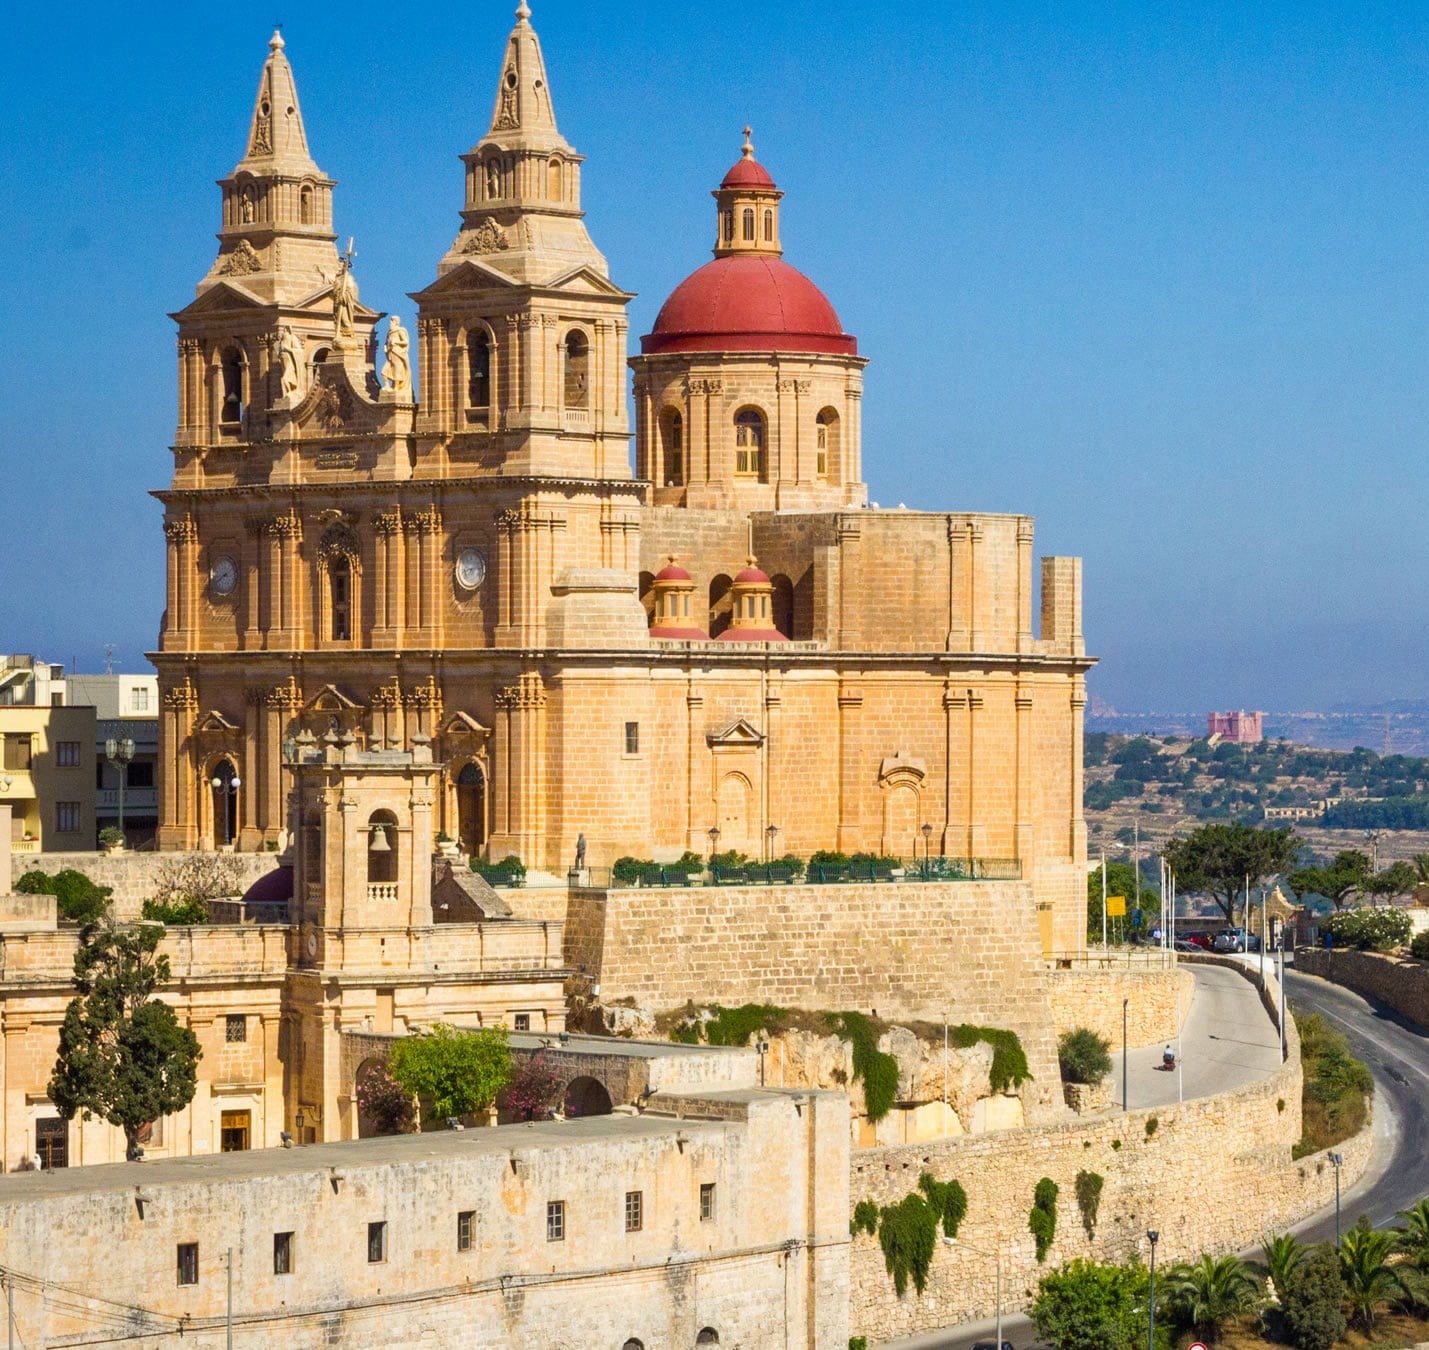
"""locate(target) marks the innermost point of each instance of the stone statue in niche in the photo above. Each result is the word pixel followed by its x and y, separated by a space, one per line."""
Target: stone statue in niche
pixel 397 372
pixel 344 300
pixel 246 206
pixel 580 852
pixel 290 360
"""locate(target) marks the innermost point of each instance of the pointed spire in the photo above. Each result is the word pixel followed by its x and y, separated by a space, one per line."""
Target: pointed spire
pixel 276 137
pixel 523 96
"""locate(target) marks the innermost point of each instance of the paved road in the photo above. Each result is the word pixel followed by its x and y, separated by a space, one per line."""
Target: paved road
pixel 1398 1056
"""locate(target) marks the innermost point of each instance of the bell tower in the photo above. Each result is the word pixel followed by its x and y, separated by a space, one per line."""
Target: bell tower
pixel 522 337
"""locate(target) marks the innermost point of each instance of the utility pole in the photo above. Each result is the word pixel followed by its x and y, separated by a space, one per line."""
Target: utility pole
pixel 229 1318
pixel 1125 1004
pixel 9 1313
pixel 1103 902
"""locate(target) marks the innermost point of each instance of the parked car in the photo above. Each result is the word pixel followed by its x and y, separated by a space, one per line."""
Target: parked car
pixel 1197 939
pixel 1186 945
pixel 1236 940
pixel 991 1345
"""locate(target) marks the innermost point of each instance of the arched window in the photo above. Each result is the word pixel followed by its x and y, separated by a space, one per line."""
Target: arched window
pixel 783 590
pixel 339 576
pixel 726 226
pixel 672 443
pixel 231 409
pixel 478 352
pixel 224 783
pixel 381 848
pixel 305 204
pixel 826 441
pixel 709 1336
pixel 749 443
pixel 577 382
pixel 633 1344
pixel 553 180
pixel 493 178
pixel 720 605
pixel 769 227
pixel 749 224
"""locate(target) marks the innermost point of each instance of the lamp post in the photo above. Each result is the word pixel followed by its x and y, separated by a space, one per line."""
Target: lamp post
pixel 298 1121
pixel 1125 1004
pixel 119 751
pixel 229 790
pixel 1154 1236
pixel 771 832
pixel 1337 1160
pixel 762 1046
pixel 927 850
pixel 996 1255
pixel 714 843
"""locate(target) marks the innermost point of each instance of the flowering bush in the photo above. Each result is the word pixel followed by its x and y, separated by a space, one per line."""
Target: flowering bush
pixel 382 1100
pixel 533 1092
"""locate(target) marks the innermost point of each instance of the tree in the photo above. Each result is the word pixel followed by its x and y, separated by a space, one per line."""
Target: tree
pixel 1413 1238
pixel 1211 1293
pixel 123 1056
pixel 1399 878
pixel 77 898
pixel 1086 1305
pixel 533 1091
pixel 1121 879
pixel 457 1072
pixel 1283 1255
pixel 1312 1301
pixel 1216 860
pixel 382 1100
pixel 1368 1277
pixel 1342 878
pixel 1083 1056
pixel 187 882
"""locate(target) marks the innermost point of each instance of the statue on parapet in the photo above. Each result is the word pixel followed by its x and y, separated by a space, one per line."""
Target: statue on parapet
pixel 397 372
pixel 344 299
pixel 290 360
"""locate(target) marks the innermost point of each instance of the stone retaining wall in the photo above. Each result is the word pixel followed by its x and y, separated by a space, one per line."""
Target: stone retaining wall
pixel 965 951
pixel 1401 982
pixel 1212 1174
pixel 133 876
pixel 1087 996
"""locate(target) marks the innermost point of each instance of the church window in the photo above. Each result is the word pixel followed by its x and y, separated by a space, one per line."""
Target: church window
pixel 231 410
pixel 381 848
pixel 749 443
pixel 553 180
pixel 749 224
pixel 672 433
pixel 305 204
pixel 577 381
pixel 493 178
pixel 479 363
pixel 826 441
pixel 632 738
pixel 726 226
pixel 340 599
pixel 235 1028
pixel 769 227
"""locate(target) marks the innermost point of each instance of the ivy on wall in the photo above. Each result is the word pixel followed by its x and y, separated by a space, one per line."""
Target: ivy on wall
pixel 1043 1218
pixel 1009 1060
pixel 1089 1197
pixel 875 1069
pixel 908 1231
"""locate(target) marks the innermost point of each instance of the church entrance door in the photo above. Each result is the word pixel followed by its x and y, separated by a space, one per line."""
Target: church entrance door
pixel 733 807
pixel 471 809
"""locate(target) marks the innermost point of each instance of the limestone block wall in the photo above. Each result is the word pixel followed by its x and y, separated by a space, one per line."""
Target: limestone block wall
pixel 768 1263
pixel 1090 996
pixel 1399 981
pixel 133 876
pixel 1212 1174
pixel 966 951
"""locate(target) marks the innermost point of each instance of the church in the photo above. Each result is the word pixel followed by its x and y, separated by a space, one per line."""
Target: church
pixel 440 542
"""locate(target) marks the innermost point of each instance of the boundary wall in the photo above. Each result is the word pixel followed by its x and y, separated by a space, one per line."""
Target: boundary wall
pixel 1212 1174
pixel 1399 982
pixel 1090 995
pixel 967 951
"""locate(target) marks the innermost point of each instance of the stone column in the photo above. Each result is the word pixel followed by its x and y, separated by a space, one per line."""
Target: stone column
pixel 182 535
pixel 507 525
pixel 849 532
pixel 959 572
pixel 1024 835
pixel 250 565
pixel 975 585
pixel 5 813
pixel 850 705
pixel 251 758
pixel 177 829
pixel 695 836
pixel 1024 584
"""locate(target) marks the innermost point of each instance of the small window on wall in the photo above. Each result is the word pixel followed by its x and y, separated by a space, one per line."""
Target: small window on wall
pixel 826 441
pixel 749 444
pixel 707 1200
pixel 376 1243
pixel 726 226
pixel 67 817
pixel 340 599
pixel 632 738
pixel 140 775
pixel 555 1221
pixel 19 751
pixel 577 375
pixel 769 227
pixel 52 1142
pixel 139 700
pixel 749 225
pixel 522 1021
pixel 231 370
pixel 188 1262
pixel 634 1211
pixel 235 1028
pixel 67 754
pixel 672 436
pixel 478 351
pixel 465 1230
pixel 282 1253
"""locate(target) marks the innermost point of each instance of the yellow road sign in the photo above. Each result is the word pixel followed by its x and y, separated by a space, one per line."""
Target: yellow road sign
pixel 1116 906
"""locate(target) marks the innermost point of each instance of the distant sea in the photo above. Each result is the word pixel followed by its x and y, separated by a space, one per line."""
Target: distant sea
pixel 1399 728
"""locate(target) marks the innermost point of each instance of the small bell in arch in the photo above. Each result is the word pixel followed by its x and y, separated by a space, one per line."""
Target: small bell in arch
pixel 379 842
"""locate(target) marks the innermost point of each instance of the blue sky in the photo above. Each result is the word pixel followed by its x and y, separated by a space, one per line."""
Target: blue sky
pixel 1153 274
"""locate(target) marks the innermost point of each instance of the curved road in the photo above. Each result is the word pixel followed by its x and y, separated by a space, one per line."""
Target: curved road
pixel 1398 1056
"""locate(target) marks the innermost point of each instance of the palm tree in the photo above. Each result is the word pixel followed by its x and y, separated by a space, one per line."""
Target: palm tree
pixel 1211 1293
pixel 1282 1255
pixel 1413 1238
pixel 1369 1278
pixel 1420 863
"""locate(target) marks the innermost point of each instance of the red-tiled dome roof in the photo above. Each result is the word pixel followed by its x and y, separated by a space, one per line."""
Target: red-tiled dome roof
pixel 747 172
pixel 748 303
pixel 674 572
pixel 752 574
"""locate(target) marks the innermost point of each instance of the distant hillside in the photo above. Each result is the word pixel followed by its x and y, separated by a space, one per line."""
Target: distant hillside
pixel 1406 722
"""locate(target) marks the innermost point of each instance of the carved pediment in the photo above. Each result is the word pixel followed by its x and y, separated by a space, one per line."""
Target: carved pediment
pixel 587 280
pixel 330 699
pixel 739 734
pixel 463 724
pixel 214 722
pixel 223 297
pixel 469 275
pixel 902 767
pixel 333 407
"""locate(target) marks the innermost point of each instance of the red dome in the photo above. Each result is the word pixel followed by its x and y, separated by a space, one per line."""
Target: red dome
pixel 733 634
pixel 684 634
pixel 752 574
pixel 744 303
pixel 674 572
pixel 748 172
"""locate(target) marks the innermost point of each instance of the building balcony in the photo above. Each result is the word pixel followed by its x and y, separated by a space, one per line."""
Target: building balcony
pixel 384 891
pixel 137 801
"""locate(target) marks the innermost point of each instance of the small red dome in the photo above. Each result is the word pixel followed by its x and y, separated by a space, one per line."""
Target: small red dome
pixel 733 634
pixel 747 173
pixel 674 572
pixel 751 574
pixel 745 303
pixel 683 634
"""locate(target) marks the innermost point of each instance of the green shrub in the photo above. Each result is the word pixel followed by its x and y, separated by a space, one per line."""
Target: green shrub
pixel 178 914
pixel 908 1233
pixel 1042 1221
pixel 1089 1198
pixel 1089 1306
pixel 1009 1061
pixel 947 1199
pixel 1370 930
pixel 1084 1056
pixel 510 868
pixel 865 1218
pixel 1151 1124
pixel 35 883
pixel 1420 946
pixel 876 1070
pixel 109 836
pixel 1337 1087
pixel 734 1026
pixel 78 899
pixel 1312 1301
pixel 858 1343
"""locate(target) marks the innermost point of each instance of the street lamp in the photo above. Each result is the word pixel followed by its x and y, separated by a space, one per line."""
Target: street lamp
pixel 927 849
pixel 1154 1236
pixel 996 1255
pixel 762 1046
pixel 1337 1160
pixel 119 751
pixel 1125 1006
pixel 229 790
pixel 714 842
pixel 770 833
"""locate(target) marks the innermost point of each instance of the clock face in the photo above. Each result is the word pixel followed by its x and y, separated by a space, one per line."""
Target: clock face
pixel 223 576
pixel 470 569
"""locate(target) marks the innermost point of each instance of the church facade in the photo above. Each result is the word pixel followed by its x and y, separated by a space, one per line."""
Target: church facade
pixel 440 539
